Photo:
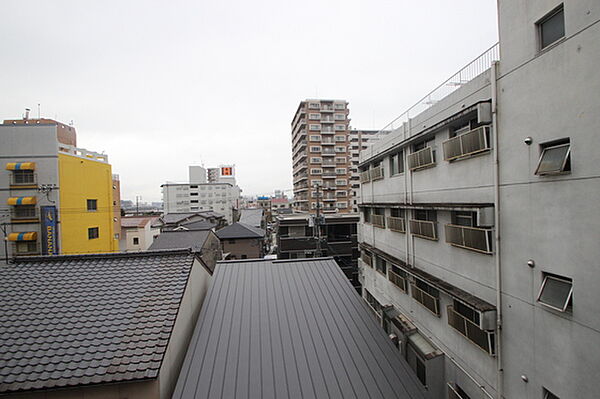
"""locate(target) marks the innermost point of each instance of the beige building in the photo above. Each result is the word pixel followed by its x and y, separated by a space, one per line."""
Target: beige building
pixel 242 241
pixel 138 232
pixel 321 157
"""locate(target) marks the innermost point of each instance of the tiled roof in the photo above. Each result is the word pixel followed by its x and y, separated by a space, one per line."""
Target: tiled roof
pixel 137 221
pixel 195 225
pixel 240 230
pixel 252 217
pixel 88 319
pixel 290 329
pixel 169 218
pixel 193 239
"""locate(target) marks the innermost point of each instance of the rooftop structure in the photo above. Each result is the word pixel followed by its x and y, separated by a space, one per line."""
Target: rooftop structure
pixel 290 329
pixel 86 322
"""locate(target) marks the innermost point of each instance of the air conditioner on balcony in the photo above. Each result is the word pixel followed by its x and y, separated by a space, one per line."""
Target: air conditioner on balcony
pixel 485 217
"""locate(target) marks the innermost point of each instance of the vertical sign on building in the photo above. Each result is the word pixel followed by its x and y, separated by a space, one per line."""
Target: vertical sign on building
pixel 49 239
pixel 227 171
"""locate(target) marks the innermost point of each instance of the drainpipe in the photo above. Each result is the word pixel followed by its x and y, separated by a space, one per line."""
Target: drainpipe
pixel 499 369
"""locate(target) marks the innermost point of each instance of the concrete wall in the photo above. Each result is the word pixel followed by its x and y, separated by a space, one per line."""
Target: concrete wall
pixel 553 220
pixel 145 236
pixel 23 143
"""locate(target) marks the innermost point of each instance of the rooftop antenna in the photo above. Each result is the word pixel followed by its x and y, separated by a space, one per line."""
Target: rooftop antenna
pixel 39 117
pixel 26 117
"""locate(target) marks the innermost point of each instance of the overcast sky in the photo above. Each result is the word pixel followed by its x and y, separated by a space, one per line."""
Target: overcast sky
pixel 162 85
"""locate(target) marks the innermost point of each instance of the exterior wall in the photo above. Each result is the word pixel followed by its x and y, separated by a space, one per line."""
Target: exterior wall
pixel 22 143
pixel 251 247
pixel 218 197
pixel 66 134
pixel 82 179
pixel 189 310
pixel 552 220
pixel 211 251
pixel 131 390
pixel 116 204
pixel 145 236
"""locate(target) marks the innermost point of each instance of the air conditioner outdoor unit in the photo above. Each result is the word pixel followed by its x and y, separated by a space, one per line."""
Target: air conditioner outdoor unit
pixel 485 217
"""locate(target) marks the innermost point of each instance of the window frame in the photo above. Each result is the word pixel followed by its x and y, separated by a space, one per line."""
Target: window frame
pixel 566 160
pixel 91 230
pixel 568 301
pixel 540 28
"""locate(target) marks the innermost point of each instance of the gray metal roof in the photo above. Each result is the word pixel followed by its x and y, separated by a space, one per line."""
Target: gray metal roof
pixel 252 217
pixel 290 329
pixel 88 319
pixel 193 239
pixel 240 230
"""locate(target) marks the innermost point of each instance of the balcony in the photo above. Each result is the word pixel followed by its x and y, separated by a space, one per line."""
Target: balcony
pixel 327 130
pixel 423 228
pixel 421 159
pixel 482 338
pixel 430 302
pixel 327 108
pixel 365 176
pixel 327 141
pixel 327 120
pixel 398 281
pixel 473 238
pixel 396 224
pixel 467 144
pixel 366 258
pixel 297 243
pixel 378 221
pixel 377 173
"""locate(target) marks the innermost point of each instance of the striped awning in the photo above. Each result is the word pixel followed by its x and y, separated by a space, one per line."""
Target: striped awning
pixel 21 201
pixel 25 236
pixel 20 166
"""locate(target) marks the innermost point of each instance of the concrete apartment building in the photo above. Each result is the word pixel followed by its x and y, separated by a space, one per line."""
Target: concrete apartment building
pixel 358 142
pixel 479 234
pixel 57 198
pixel 199 195
pixel 321 156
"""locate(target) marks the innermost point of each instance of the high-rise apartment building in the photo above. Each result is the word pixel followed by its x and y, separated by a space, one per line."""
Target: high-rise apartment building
pixel 480 228
pixel 321 156
pixel 58 199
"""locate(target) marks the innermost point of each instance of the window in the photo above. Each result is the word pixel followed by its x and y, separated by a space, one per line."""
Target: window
pixel 193 186
pixel 339 127
pixel 549 395
pixel 93 233
pixel 339 117
pixel 339 106
pixel 340 171
pixel 316 171
pixel 314 127
pixel 315 138
pixel 551 28
pixel 555 158
pixel 466 311
pixel 339 138
pixel 24 212
pixel 315 149
pixel 341 205
pixel 380 265
pixel 398 277
pixel 556 292
pixel 340 160
pixel 316 160
pixel 340 149
pixel 193 201
pixel 26 247
pixel 367 215
pixel 136 241
pixel 341 182
pixel 468 219
pixel 23 177
pixel 314 116
pixel 396 163
pixel 92 205
pixel 231 241
pixel 314 105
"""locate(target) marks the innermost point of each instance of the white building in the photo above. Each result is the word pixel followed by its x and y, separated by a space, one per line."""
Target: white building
pixel 138 233
pixel 358 142
pixel 480 230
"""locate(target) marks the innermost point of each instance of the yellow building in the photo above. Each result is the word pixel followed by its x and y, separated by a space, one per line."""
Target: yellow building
pixel 86 204
pixel 57 198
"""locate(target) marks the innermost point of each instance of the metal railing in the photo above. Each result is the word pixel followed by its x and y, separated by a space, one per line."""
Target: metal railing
pixel 470 143
pixel 377 173
pixel 396 224
pixel 421 159
pixel 452 393
pixel 430 302
pixel 365 176
pixel 473 238
pixel 482 338
pixel 398 281
pixel 460 78
pixel 378 221
pixel 423 228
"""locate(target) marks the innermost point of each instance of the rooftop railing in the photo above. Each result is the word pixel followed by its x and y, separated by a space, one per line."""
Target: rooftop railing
pixel 460 78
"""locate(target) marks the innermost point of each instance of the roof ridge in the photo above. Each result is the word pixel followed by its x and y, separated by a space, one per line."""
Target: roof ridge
pixel 159 252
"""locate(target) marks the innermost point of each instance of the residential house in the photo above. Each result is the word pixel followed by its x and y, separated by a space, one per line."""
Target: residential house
pixel 242 241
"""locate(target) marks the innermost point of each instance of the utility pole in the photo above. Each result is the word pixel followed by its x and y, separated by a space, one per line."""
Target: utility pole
pixel 137 205
pixel 318 252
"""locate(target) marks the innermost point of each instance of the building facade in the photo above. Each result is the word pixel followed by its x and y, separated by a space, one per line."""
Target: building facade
pixel 321 156
pixel 358 142
pixel 138 233
pixel 473 210
pixel 58 198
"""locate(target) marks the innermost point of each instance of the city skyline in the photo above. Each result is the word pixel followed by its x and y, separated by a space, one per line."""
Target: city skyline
pixel 224 76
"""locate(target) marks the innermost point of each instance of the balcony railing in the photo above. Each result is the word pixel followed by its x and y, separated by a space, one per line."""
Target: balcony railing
pixel 430 302
pixel 421 159
pixel 467 144
pixel 366 257
pixel 365 176
pixel 482 338
pixel 466 74
pixel 452 392
pixel 398 281
pixel 396 224
pixel 377 173
pixel 378 221
pixel 473 238
pixel 423 228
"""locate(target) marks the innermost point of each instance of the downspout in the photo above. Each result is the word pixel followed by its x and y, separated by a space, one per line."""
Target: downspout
pixel 499 369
